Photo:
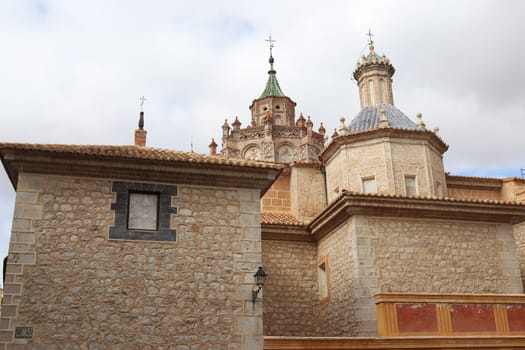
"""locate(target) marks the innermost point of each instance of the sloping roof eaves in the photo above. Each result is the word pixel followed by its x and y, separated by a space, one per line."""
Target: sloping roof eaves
pixel 137 163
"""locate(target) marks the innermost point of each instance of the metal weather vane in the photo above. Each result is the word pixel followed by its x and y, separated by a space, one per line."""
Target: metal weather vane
pixel 370 35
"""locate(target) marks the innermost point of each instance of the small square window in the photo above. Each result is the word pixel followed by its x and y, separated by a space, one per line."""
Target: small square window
pixel 410 186
pixel 143 211
pixel 369 185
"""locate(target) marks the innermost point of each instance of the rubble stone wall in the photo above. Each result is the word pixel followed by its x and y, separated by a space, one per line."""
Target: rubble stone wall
pixel 337 313
pixel 291 291
pixel 74 288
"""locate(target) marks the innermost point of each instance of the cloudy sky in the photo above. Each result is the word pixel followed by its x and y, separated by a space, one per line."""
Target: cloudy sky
pixel 73 71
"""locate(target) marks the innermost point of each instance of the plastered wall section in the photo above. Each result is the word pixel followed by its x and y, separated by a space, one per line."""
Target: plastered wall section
pixel 277 198
pixel 307 193
pixel 291 292
pixel 79 290
pixel 431 256
pixel 338 313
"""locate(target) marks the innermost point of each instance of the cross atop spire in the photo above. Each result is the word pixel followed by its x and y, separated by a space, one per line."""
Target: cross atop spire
pixel 142 99
pixel 370 35
pixel 270 42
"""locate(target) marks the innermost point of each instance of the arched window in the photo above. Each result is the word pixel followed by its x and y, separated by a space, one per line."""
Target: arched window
pixel 371 91
pixel 382 91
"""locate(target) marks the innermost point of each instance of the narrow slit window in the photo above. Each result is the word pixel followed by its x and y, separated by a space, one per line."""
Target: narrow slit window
pixel 372 92
pixel 322 277
pixel 382 91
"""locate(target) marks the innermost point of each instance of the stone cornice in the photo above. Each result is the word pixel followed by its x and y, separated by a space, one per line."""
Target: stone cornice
pixel 349 204
pixel 273 98
pixel 290 233
pixel 477 183
pixel 316 165
pixel 367 67
pixel 135 169
pixel 339 141
pixel 460 298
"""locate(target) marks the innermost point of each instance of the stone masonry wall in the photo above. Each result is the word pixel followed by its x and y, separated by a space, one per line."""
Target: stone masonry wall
pixel 435 256
pixel 430 256
pixel 354 162
pixel 388 161
pixel 291 291
pixel 473 194
pixel 79 290
pixel 338 314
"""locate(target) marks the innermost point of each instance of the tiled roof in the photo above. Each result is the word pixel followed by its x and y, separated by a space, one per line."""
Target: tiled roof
pixel 369 118
pixel 272 87
pixel 279 218
pixel 446 199
pixel 136 152
pixel 469 177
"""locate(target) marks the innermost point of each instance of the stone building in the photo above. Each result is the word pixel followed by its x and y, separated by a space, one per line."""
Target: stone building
pixel 133 247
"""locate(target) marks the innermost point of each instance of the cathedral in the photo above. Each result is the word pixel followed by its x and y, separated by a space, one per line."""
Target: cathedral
pixel 285 238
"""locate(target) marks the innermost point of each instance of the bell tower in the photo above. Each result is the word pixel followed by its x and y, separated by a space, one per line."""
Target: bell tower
pixel 273 100
pixel 273 133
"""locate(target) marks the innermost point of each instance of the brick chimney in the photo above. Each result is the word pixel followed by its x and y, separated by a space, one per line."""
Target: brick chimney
pixel 213 147
pixel 140 133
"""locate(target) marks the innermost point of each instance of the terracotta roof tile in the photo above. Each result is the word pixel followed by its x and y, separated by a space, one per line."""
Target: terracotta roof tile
pixel 446 199
pixel 280 218
pixel 136 152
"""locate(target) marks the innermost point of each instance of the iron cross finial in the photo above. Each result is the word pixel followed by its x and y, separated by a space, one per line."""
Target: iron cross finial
pixel 142 99
pixel 270 42
pixel 370 35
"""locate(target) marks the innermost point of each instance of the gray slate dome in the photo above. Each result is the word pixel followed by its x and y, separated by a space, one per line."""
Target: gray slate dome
pixel 369 118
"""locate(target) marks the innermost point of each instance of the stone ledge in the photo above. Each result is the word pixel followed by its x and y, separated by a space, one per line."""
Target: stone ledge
pixel 313 343
pixel 450 298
